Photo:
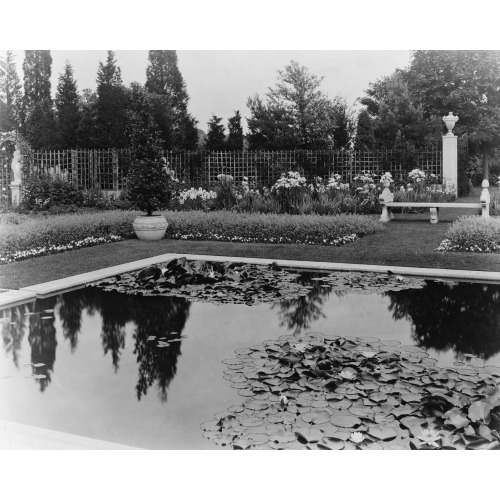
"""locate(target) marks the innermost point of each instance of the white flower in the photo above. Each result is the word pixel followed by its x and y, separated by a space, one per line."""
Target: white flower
pixel 348 374
pixel 430 436
pixel 357 437
pixel 300 346
pixel 283 400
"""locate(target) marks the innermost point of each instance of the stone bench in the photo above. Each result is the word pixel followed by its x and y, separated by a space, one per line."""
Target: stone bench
pixel 386 201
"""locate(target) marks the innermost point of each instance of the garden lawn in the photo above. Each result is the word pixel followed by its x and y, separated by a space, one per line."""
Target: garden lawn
pixel 408 241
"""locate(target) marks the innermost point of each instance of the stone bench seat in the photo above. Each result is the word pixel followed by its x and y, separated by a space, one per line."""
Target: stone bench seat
pixel 387 203
pixel 431 204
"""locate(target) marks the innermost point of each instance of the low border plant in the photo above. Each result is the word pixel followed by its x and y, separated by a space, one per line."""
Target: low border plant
pixel 472 234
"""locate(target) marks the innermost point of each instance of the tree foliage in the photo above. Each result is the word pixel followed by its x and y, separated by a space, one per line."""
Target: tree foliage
pixel 235 133
pixel 87 126
pixel 365 138
pixel 295 115
pixel 216 138
pixel 37 69
pixel 11 99
pixel 465 82
pixel 397 116
pixel 67 109
pixel 111 105
pixel 41 126
pixel 169 100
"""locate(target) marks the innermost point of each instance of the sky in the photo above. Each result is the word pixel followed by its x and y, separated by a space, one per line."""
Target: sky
pixel 220 81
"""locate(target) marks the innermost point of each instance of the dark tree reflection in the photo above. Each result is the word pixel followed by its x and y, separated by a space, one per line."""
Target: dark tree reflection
pixel 13 330
pixel 298 314
pixel 159 317
pixel 42 338
pixel 462 316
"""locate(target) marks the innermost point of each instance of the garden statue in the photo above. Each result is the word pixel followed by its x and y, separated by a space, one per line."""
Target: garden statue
pixel 386 197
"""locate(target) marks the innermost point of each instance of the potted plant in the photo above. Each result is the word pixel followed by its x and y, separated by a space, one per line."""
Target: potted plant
pixel 148 186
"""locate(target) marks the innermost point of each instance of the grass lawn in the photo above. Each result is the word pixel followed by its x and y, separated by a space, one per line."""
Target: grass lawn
pixel 410 240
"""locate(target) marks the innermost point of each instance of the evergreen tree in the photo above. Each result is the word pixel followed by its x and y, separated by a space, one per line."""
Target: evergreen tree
pixel 365 139
pixel 40 127
pixel 343 128
pixel 163 77
pixel 87 126
pixel 235 133
pixel 111 105
pixel 143 133
pixel 68 113
pixel 169 100
pixel 215 135
pixel 10 95
pixel 296 115
pixel 37 68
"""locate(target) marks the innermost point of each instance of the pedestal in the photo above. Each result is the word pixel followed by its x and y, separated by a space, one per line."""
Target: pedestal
pixel 15 189
pixel 450 163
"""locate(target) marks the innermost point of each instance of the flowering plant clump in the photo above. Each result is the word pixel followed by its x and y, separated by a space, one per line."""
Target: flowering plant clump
pixel 55 248
pixel 289 181
pixel 472 234
pixel 386 177
pixel 192 199
pixel 289 191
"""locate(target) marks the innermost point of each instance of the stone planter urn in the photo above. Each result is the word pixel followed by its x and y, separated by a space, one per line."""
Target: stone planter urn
pixel 150 227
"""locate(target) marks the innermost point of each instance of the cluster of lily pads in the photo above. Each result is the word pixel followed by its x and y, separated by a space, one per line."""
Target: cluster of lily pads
pixel 240 283
pixel 215 282
pixel 316 391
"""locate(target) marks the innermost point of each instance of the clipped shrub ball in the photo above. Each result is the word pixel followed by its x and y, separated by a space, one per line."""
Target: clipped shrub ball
pixel 148 186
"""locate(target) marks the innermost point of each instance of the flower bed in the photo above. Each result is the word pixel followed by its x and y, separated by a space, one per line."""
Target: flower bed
pixel 472 234
pixel 25 237
pixel 269 228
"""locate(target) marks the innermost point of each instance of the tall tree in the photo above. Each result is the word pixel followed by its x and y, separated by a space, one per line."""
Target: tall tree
pixel 235 133
pixel 169 99
pixel 87 135
pixel 296 114
pixel 397 115
pixel 111 105
pixel 11 100
pixel 365 139
pixel 215 136
pixel 143 133
pixel 41 127
pixel 67 109
pixel 37 68
pixel 343 128
pixel 466 82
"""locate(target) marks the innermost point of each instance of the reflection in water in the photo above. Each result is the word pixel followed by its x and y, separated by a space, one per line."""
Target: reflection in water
pixel 152 316
pixel 298 314
pixel 460 316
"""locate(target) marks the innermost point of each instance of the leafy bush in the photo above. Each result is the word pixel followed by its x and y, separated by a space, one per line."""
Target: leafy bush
pixel 472 234
pixel 148 185
pixel 43 191
pixel 269 228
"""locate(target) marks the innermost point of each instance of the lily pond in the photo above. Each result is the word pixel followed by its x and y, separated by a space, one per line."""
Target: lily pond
pixel 207 355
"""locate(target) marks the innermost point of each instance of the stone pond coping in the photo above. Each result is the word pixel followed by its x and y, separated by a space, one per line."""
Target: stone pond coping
pixel 16 436
pixel 30 293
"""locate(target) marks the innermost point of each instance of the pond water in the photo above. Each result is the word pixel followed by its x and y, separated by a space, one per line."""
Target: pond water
pixel 146 371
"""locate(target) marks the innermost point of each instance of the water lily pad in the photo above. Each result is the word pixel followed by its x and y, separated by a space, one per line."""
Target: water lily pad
pixel 316 417
pixel 480 411
pixel 312 435
pixel 346 421
pixel 383 432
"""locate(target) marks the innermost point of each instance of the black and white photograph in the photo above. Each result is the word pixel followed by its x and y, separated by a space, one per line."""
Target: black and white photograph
pixel 274 232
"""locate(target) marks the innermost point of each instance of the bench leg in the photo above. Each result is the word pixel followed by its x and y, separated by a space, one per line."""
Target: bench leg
pixel 385 216
pixel 434 215
pixel 485 210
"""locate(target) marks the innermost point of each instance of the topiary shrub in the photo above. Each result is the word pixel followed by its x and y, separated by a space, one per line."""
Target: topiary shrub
pixel 148 185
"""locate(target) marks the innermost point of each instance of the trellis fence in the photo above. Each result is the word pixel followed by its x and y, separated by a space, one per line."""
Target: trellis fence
pixel 106 169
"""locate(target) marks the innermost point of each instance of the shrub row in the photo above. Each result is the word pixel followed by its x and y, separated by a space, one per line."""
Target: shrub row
pixel 472 234
pixel 269 228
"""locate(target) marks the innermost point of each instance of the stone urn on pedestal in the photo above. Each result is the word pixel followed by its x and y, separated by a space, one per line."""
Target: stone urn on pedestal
pixel 148 186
